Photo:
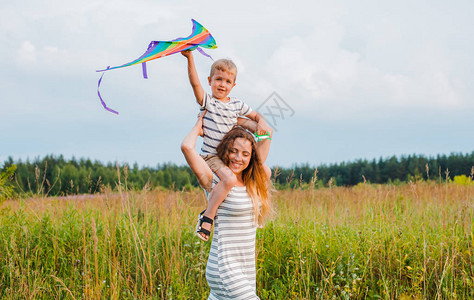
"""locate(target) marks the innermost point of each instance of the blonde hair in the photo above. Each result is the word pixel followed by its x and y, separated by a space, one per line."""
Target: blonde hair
pixel 224 65
pixel 254 176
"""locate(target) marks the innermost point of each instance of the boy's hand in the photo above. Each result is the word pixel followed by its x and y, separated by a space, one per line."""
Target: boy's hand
pixel 187 53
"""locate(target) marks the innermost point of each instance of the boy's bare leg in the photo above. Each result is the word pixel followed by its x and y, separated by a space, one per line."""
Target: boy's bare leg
pixel 251 125
pixel 218 194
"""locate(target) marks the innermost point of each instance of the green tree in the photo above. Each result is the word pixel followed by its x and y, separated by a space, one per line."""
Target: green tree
pixel 6 189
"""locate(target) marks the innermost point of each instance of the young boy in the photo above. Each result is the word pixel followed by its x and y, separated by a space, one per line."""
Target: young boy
pixel 222 114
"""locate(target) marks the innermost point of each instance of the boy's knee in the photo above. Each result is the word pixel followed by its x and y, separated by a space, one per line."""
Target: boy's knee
pixel 227 177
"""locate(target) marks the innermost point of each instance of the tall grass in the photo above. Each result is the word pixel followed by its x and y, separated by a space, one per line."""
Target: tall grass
pixel 369 241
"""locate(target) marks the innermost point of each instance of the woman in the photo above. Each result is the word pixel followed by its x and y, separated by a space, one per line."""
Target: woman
pixel 230 270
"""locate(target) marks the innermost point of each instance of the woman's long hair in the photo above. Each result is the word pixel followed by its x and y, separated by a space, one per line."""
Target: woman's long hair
pixel 254 176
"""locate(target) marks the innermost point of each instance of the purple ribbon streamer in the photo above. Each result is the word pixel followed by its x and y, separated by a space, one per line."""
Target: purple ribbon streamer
pixel 204 53
pixel 101 100
pixel 145 75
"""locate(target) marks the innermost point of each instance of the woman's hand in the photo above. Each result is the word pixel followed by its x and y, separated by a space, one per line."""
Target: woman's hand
pixel 199 123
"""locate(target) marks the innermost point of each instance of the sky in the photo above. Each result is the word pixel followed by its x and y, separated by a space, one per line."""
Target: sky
pixel 337 80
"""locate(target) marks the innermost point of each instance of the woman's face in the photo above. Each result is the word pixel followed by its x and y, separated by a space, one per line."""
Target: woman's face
pixel 239 155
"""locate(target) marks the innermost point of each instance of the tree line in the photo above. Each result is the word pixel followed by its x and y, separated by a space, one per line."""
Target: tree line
pixel 54 175
pixel 384 170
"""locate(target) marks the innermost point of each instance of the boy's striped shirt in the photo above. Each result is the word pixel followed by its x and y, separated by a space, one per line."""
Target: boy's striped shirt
pixel 219 119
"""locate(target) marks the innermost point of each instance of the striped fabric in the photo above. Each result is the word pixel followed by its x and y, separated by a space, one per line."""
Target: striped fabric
pixel 230 270
pixel 219 119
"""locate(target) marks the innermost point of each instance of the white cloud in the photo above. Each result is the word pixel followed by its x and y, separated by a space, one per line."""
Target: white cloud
pixel 323 75
pixel 27 53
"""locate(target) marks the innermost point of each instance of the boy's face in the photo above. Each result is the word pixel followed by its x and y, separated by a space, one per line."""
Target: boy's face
pixel 221 84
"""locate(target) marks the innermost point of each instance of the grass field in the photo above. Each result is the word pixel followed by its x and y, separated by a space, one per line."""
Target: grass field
pixel 413 241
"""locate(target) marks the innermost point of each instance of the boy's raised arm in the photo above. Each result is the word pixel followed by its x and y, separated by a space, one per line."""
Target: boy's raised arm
pixel 193 77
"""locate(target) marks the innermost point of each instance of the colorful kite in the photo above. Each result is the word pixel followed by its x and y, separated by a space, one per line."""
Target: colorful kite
pixel 200 37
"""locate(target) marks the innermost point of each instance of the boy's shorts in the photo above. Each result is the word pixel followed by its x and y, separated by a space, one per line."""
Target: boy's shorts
pixel 213 161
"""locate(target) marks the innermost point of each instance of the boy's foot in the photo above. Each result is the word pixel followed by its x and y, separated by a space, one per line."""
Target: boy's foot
pixel 203 226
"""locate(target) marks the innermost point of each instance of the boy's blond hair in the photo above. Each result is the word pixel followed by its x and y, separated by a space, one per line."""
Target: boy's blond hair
pixel 224 65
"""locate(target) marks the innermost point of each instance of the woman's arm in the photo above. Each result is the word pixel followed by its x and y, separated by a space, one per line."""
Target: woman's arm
pixel 195 161
pixel 263 147
pixel 262 126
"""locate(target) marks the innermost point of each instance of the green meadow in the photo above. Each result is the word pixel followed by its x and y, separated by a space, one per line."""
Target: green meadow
pixel 408 241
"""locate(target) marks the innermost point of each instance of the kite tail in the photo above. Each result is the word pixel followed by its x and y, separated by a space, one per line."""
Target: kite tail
pixel 101 100
pixel 204 53
pixel 145 74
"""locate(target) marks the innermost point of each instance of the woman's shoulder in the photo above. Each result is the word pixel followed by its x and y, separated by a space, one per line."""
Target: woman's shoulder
pixel 268 171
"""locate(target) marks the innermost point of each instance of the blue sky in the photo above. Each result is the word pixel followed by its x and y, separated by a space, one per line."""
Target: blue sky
pixel 361 80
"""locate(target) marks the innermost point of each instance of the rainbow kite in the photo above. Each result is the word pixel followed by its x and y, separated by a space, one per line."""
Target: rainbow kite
pixel 200 37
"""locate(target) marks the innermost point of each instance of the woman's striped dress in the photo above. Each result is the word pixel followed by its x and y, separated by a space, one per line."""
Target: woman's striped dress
pixel 230 270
